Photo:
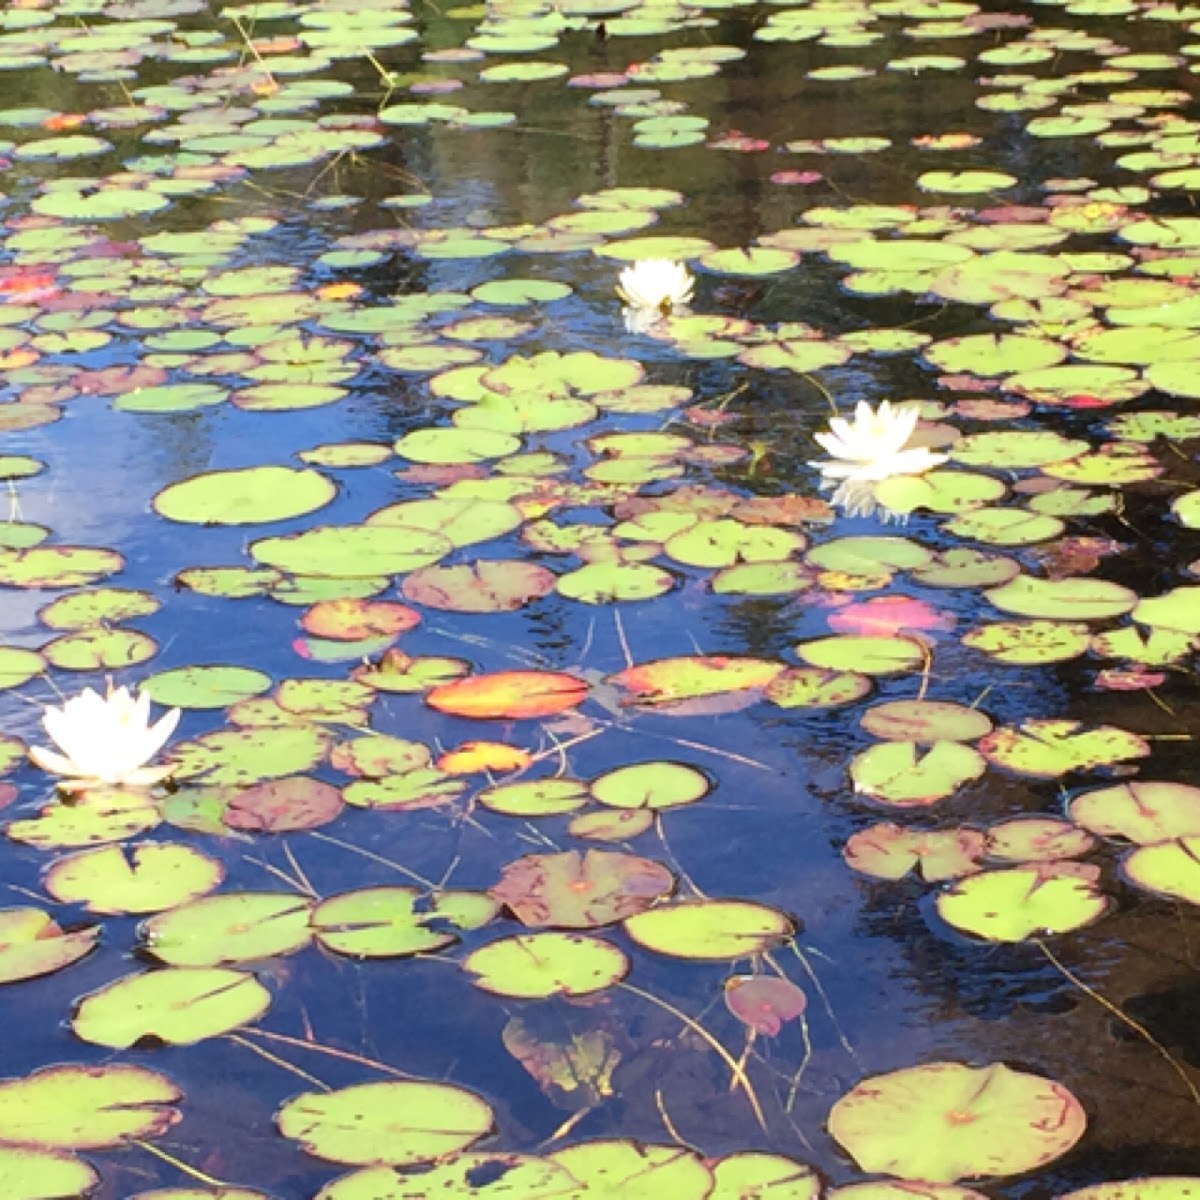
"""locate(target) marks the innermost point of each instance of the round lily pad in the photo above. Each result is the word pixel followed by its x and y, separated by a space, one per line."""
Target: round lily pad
pixel 898 773
pixel 396 1123
pixel 1169 869
pixel 925 721
pixel 205 687
pixel 1063 599
pixel 72 1107
pixel 537 965
pixel 32 943
pixel 651 785
pixel 1141 811
pixel 175 1005
pixel 714 930
pixel 626 1168
pixel 149 877
pixel 28 1174
pixel 352 551
pixel 1021 902
pixel 1047 749
pixel 389 922
pixel 536 798
pixel 581 891
pixel 945 1121
pixel 233 927
pixel 250 496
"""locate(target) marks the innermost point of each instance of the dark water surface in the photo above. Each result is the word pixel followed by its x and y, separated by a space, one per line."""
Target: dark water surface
pixel 1108 1009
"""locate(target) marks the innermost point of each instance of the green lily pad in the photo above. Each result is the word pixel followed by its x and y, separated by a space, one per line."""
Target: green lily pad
pixel 244 757
pixel 391 922
pixel 815 687
pixel 897 773
pixel 888 851
pixel 609 1168
pixel 28 1174
pixel 71 1107
pixel 1048 749
pixel 925 721
pixel 57 566
pixel 1030 643
pixel 614 582
pixel 395 1123
pixel 1177 610
pixel 352 551
pixel 32 944
pixel 464 1176
pixel 752 1175
pixel 250 496
pixel 96 650
pixel 233 927
pixel 653 785
pixel 1142 811
pixel 534 966
pixel 177 1005
pixel 1017 903
pixel 944 1121
pixel 149 877
pixel 1005 526
pixel 1170 869
pixel 97 606
pixel 205 687
pixel 714 930
pixel 536 798
pixel 1063 599
pixel 865 655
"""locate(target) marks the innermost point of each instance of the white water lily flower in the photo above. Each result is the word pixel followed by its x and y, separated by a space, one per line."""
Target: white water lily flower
pixel 656 285
pixel 872 447
pixel 105 740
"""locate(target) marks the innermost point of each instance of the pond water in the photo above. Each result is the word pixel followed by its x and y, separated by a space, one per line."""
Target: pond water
pixel 573 795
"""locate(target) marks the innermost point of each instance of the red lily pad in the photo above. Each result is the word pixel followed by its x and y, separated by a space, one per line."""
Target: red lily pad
pixel 588 891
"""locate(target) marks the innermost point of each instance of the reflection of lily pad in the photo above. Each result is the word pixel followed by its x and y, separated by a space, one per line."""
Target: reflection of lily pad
pixel 945 1121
